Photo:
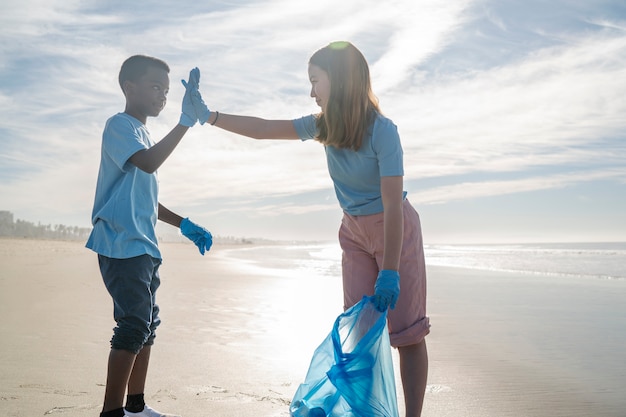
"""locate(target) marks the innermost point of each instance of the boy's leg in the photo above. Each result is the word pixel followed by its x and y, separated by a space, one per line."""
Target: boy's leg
pixel 137 381
pixel 414 374
pixel 139 373
pixel 132 284
pixel 119 369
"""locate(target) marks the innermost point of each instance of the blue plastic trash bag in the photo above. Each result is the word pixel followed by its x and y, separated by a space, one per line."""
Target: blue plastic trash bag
pixel 351 372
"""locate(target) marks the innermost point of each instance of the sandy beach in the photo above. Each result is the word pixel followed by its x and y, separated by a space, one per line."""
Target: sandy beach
pixel 237 340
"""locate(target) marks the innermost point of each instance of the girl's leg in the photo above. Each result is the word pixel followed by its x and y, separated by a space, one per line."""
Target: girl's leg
pixel 359 268
pixel 414 373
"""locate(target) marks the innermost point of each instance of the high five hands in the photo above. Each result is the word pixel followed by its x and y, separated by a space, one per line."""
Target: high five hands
pixel 193 108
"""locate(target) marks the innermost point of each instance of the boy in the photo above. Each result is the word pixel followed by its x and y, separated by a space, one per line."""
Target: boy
pixel 125 212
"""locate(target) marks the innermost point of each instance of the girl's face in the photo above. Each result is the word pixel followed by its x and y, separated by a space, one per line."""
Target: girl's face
pixel 320 85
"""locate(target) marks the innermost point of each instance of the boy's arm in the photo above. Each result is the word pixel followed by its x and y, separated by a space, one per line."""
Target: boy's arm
pixel 201 237
pixel 168 216
pixel 149 160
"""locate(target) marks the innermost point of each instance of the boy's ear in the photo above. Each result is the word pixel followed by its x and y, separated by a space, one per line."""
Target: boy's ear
pixel 127 87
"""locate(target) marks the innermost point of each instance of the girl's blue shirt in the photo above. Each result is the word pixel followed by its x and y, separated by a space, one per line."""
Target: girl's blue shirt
pixel 356 174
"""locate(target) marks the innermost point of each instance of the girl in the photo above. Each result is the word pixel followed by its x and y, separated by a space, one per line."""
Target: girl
pixel 380 234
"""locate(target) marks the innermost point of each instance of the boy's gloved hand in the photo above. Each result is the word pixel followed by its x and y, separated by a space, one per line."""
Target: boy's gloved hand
pixel 195 102
pixel 386 290
pixel 188 116
pixel 197 234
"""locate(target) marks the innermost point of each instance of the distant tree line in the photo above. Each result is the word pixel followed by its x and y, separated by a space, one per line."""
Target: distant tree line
pixel 25 229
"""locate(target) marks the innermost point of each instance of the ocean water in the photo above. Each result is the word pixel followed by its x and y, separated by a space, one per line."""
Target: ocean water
pixel 593 260
pixel 558 260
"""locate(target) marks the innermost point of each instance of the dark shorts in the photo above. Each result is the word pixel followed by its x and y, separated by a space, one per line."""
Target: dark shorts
pixel 132 284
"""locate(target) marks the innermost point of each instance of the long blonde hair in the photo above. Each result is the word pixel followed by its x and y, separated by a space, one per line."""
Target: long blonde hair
pixel 352 106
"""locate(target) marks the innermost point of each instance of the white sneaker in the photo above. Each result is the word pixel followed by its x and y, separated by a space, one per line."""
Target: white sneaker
pixel 147 412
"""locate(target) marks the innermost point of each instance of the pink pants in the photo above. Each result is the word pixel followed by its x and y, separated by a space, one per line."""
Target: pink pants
pixel 361 239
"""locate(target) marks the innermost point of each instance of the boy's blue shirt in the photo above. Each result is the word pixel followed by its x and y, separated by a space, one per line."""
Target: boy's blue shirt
pixel 356 174
pixel 125 208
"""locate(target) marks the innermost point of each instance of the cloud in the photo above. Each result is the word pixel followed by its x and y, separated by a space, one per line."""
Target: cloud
pixel 489 188
pixel 541 110
pixel 421 30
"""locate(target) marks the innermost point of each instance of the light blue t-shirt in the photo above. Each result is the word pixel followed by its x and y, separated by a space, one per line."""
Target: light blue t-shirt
pixel 125 208
pixel 356 174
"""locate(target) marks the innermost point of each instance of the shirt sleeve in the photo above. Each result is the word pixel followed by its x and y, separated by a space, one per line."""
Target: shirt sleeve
pixel 121 140
pixel 387 146
pixel 306 127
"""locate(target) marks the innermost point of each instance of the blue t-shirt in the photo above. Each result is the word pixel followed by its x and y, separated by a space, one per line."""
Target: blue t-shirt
pixel 125 208
pixel 356 174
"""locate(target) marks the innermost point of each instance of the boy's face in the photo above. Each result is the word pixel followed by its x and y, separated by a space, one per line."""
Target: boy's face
pixel 147 96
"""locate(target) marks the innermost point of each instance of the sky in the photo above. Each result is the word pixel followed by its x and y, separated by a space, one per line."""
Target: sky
pixel 512 114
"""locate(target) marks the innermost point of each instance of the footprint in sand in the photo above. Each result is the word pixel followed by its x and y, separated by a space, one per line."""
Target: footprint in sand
pixel 59 410
pixel 436 389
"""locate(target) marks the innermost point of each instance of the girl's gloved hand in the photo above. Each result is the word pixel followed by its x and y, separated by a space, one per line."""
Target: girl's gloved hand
pixel 386 290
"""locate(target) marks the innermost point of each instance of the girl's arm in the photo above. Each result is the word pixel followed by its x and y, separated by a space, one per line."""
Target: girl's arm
pixel 391 190
pixel 253 127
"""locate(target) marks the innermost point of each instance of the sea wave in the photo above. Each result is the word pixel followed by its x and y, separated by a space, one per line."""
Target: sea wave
pixel 589 260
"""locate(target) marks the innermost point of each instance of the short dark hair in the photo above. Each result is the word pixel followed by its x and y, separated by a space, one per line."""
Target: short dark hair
pixel 137 65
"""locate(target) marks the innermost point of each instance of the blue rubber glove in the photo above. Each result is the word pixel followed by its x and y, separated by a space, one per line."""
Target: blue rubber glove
pixel 188 116
pixel 200 109
pixel 386 290
pixel 197 234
